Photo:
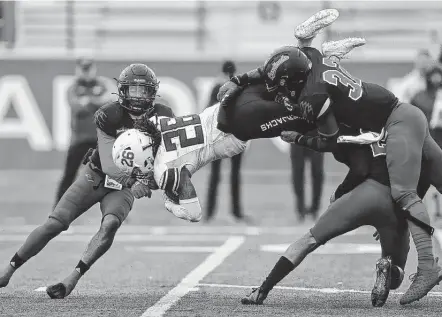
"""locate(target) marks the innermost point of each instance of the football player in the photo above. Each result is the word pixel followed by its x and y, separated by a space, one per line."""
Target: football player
pixel 190 142
pixel 180 146
pixel 101 182
pixel 321 91
pixel 362 199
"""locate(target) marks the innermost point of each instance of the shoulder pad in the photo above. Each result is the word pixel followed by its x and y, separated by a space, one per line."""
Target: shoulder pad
pixel 162 110
pixel 108 117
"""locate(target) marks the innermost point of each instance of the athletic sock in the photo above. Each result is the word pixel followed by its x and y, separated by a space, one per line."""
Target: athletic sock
pixel 82 268
pixel 16 261
pixel 424 246
pixel 281 269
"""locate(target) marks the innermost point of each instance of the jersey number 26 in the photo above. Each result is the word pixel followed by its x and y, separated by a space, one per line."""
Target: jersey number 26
pixel 333 76
pixel 176 127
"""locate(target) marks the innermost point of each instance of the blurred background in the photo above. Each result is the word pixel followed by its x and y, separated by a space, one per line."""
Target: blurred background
pixel 185 42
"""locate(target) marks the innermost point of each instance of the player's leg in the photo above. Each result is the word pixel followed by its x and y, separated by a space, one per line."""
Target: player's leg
pixel 367 201
pixel 235 185
pixel 432 160
pixel 79 197
pixel 317 168
pixel 297 158
pixel 307 30
pixel 115 207
pixel 395 243
pixel 212 190
pixel 74 159
pixel 407 130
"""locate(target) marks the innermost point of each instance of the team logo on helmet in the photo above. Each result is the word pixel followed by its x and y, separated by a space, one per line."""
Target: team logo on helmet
pixel 275 65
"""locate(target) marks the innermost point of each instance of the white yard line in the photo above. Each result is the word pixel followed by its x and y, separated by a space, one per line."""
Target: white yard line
pixel 308 289
pixel 193 278
pixel 331 248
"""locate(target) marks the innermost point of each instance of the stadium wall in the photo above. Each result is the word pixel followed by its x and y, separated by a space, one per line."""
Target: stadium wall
pixel 35 119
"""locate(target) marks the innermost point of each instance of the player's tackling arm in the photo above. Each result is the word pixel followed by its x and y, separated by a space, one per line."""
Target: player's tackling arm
pixel 328 131
pixel 105 144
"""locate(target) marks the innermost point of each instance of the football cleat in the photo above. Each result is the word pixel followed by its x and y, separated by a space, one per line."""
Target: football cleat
pixel 397 276
pixel 423 281
pixel 256 297
pixel 311 27
pixel 342 47
pixel 381 288
pixel 56 291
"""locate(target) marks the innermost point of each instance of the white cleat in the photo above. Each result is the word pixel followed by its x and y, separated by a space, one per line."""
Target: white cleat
pixel 311 27
pixel 342 47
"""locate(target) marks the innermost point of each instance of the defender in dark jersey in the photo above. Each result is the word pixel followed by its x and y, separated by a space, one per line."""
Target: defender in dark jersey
pixel 101 181
pixel 325 93
pixel 362 199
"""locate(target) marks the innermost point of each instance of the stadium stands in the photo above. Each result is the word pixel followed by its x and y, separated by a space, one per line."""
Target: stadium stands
pixel 204 29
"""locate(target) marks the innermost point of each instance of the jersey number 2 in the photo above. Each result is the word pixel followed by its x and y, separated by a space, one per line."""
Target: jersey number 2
pixel 176 127
pixel 333 76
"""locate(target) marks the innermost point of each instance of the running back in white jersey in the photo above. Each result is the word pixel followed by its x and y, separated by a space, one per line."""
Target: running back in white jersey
pixel 192 141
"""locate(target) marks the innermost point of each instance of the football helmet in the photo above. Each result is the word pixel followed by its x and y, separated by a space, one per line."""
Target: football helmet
pixel 137 89
pixel 286 70
pixel 132 153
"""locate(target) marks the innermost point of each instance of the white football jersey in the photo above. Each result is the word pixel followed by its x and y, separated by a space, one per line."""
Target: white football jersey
pixel 192 141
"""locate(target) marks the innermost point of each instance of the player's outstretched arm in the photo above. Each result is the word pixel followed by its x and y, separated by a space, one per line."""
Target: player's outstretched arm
pixel 231 89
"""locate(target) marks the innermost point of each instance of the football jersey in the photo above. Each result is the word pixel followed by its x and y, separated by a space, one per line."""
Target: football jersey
pixel 329 87
pixel 113 120
pixel 192 141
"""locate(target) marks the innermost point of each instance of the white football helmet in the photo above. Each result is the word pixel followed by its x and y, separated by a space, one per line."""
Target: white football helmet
pixel 132 153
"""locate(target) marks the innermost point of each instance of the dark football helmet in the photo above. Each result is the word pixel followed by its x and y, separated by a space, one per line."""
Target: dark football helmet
pixel 137 89
pixel 286 70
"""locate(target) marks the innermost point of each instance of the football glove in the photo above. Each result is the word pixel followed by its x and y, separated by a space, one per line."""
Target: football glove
pixel 140 190
pixel 228 92
pixel 291 136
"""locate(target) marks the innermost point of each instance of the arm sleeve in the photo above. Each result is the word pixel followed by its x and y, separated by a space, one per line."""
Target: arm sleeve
pixel 253 77
pixel 105 143
pixel 325 141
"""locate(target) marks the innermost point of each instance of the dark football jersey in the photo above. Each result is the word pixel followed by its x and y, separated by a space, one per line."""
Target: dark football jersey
pixel 113 120
pixel 255 114
pixel 355 103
